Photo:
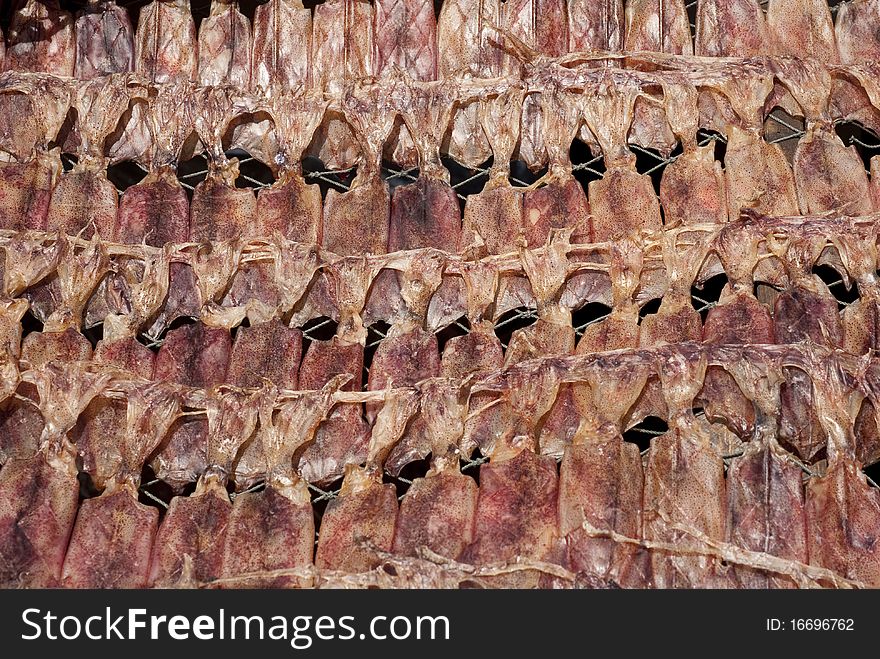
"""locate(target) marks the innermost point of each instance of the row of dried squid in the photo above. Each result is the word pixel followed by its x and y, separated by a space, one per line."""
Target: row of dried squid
pixel 120 117
pixel 604 517
pixel 289 47
pixel 290 44
pixel 129 292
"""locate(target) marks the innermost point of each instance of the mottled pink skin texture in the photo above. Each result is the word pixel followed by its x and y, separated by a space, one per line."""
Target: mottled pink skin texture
pixel 856 31
pixel 353 524
pixel 267 531
pixel 221 212
pixel 38 503
pixel 111 543
pixel 270 350
pixel 829 176
pixel 601 481
pixel 658 25
pixel 194 526
pixel 292 209
pixel 472 353
pixel 803 312
pixel 165 43
pixel 194 355
pixel 83 200
pixel 40 348
pixel 437 512
pixel 356 222
pixel 405 36
pixel 281 49
pixel 25 193
pixel 225 47
pixel 543 26
pixel 155 210
pixel 343 436
pixel 516 511
pixel 623 203
pixel 403 360
pixel 342 51
pixel 424 214
pixel 684 484
pixel 766 507
pixel 104 41
pixel 41 39
pixel 103 421
pixel 692 189
pixel 21 425
pixel 493 216
pixel 595 25
pixel 738 319
pixel 731 28
pixel 197 356
pixel 253 283
pixel 558 205
pixel 842 513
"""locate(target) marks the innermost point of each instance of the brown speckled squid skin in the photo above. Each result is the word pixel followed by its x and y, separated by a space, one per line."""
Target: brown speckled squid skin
pixel 658 25
pixel 516 513
pixel 83 201
pixel 684 483
pixel 543 26
pixel 293 209
pixel 465 44
pixel 424 214
pixel 345 214
pixel 155 210
pixel 166 45
pixel 39 495
pixel 117 527
pixel 193 355
pixel 269 350
pixel 692 190
pixel 842 509
pixel 806 310
pixel 765 486
pixel 493 217
pixel 193 527
pixel 225 46
pixel 405 37
pixel 268 531
pixel 27 191
pixel 342 437
pixel 41 39
pixel 758 176
pixel 601 480
pixel 38 503
pixel 190 542
pixel 104 40
pixel 403 360
pixel 737 319
pixel 437 512
pixel 342 51
pixel 103 421
pixel 355 523
pixel 842 530
pixel 731 28
pixel 802 26
pixel 855 31
pixel 766 508
pixel 281 45
pixel 595 25
pixel 829 176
